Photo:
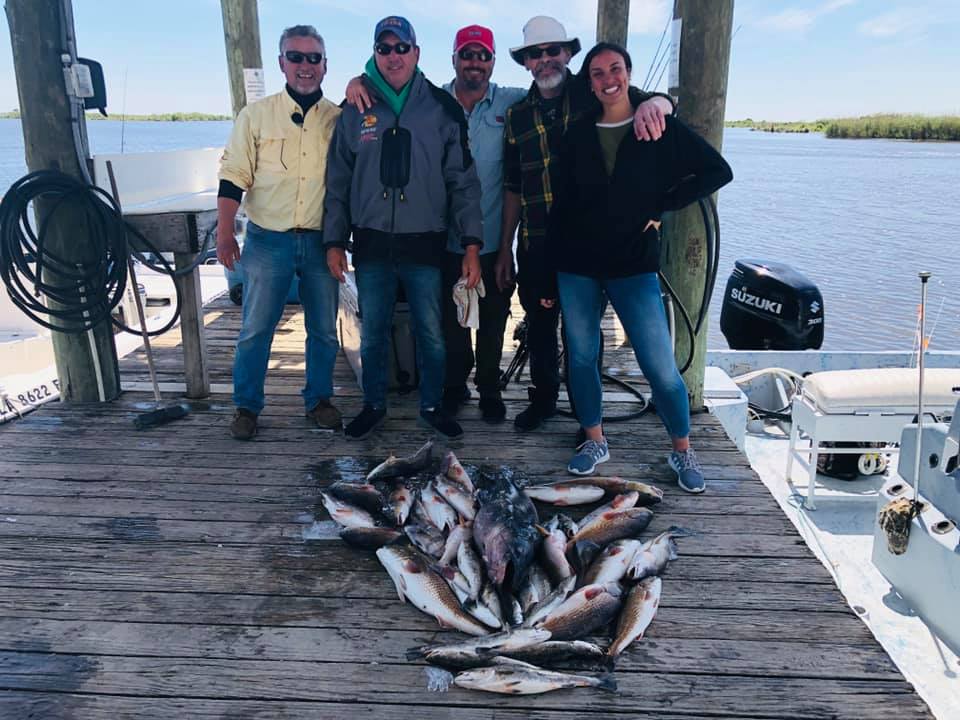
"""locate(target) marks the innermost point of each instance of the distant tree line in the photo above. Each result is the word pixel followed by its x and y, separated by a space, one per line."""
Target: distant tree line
pixel 895 127
pixel 160 117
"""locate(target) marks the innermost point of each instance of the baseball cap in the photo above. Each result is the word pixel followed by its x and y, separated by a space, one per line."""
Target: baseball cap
pixel 474 34
pixel 397 25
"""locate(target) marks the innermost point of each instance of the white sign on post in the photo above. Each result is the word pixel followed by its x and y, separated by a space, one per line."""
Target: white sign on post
pixel 253 84
pixel 673 73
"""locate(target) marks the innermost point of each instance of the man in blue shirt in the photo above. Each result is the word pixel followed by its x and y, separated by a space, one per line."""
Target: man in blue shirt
pixel 485 107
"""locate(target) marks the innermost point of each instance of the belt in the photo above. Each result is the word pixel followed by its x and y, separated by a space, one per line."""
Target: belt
pixel 300 231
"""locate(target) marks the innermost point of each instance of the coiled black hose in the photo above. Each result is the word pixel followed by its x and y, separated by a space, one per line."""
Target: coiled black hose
pixel 82 295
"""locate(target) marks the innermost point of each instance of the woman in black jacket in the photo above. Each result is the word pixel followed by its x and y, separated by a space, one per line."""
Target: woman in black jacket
pixel 603 242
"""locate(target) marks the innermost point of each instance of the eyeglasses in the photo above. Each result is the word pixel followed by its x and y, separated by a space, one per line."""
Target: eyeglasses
pixel 534 53
pixel 401 48
pixel 297 57
pixel 481 55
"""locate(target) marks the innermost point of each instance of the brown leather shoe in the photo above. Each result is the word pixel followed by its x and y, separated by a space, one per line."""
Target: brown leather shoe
pixel 244 424
pixel 326 416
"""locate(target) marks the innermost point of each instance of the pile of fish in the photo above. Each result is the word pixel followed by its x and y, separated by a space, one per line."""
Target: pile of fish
pixel 471 552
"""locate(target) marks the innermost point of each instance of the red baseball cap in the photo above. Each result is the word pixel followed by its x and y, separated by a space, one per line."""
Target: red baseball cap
pixel 474 34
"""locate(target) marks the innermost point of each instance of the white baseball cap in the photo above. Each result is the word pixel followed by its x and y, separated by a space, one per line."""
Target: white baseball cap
pixel 543 30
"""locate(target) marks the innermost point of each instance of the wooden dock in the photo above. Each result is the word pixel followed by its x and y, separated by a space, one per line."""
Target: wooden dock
pixel 165 573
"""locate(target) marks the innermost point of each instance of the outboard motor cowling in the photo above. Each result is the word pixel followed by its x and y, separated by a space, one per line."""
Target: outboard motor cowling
pixel 771 306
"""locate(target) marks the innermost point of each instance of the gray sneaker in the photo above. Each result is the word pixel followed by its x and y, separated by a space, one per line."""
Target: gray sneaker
pixel 688 470
pixel 588 456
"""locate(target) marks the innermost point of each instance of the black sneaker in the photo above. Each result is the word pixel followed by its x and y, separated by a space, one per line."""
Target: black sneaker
pixel 534 415
pixel 453 398
pixel 369 419
pixel 444 424
pixel 492 409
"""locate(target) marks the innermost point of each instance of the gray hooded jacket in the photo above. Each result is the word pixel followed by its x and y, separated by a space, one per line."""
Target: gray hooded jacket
pixel 400 183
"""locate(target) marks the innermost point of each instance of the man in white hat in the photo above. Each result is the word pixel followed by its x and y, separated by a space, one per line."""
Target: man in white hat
pixel 532 135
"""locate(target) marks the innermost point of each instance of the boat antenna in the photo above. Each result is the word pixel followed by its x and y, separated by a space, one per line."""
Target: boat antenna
pixel 924 277
pixel 656 55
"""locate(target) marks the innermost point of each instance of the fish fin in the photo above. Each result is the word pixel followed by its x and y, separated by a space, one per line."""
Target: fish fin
pixel 401 588
pixel 607 682
pixel 445 571
pixel 672 552
pixel 416 653
pixel 542 530
pixel 677 531
pixel 591 593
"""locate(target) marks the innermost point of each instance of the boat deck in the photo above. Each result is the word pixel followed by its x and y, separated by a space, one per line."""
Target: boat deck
pixel 178 573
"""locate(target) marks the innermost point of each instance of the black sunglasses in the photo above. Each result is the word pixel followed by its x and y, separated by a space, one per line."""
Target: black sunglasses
pixel 534 53
pixel 297 57
pixel 401 48
pixel 481 55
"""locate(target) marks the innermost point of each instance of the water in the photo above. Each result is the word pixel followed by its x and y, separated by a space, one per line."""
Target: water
pixel 859 217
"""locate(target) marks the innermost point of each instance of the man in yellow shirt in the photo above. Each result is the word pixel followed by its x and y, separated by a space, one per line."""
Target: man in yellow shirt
pixel 277 155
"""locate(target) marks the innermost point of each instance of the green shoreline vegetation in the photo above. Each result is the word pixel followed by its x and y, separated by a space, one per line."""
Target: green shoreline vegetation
pixel 160 117
pixel 894 127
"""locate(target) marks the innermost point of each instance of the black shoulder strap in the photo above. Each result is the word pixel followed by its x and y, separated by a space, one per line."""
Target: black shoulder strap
pixel 452 108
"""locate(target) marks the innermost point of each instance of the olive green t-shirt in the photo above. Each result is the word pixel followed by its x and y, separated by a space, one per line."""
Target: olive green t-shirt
pixel 610 136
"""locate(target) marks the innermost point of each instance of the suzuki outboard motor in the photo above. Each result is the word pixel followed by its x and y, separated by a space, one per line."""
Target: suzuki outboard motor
pixel 771 306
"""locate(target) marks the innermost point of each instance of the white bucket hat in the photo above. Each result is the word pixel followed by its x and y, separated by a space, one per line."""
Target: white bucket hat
pixel 541 30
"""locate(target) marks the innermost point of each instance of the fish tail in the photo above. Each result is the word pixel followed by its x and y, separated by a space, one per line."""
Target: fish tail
pixel 415 653
pixel 607 682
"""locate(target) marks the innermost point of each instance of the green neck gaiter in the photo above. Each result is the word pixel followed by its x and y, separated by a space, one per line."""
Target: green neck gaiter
pixel 396 100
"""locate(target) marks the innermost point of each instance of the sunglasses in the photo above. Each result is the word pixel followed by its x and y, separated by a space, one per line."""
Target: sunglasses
pixel 298 57
pixel 481 55
pixel 535 53
pixel 401 48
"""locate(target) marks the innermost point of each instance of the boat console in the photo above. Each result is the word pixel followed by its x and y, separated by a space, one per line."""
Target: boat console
pixel 927 573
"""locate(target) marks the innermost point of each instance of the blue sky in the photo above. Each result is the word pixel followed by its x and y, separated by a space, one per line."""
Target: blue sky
pixel 791 59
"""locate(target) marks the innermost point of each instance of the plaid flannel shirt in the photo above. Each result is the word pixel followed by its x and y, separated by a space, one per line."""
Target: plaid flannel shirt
pixel 530 151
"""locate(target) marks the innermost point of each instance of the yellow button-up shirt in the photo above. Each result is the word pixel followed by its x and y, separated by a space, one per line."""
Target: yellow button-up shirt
pixel 281 165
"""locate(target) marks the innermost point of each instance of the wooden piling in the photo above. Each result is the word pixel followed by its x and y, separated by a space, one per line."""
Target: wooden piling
pixel 241 36
pixel 612 16
pixel 702 97
pixel 41 36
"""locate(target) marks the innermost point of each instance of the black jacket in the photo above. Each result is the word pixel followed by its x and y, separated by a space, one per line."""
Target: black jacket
pixel 596 225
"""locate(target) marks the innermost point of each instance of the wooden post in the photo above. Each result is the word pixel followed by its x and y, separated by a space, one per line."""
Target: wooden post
pixel 702 98
pixel 612 16
pixel 196 364
pixel 241 35
pixel 41 35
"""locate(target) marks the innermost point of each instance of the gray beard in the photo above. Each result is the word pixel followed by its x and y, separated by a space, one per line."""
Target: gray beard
pixel 551 82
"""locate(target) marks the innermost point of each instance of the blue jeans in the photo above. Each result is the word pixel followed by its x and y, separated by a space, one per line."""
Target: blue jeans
pixel 270 259
pixel 377 282
pixel 636 300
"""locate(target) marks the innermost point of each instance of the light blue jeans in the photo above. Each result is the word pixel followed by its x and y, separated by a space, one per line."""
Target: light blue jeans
pixel 270 259
pixel 377 282
pixel 636 300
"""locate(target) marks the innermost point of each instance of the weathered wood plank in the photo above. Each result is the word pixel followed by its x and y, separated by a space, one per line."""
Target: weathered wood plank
pixel 681 614
pixel 311 567
pixel 724 656
pixel 57 706
pixel 404 683
pixel 150 529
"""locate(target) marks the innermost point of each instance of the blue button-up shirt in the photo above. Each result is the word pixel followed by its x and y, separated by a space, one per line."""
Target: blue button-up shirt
pixel 485 132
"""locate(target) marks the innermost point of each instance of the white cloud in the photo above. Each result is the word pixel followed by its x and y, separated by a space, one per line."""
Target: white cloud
pixel 895 22
pixel 796 19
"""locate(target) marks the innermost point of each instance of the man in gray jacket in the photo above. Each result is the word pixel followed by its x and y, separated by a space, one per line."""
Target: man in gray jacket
pixel 400 177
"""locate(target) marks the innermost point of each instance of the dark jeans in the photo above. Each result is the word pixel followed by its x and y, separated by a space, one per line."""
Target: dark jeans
pixel 494 308
pixel 377 282
pixel 542 324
